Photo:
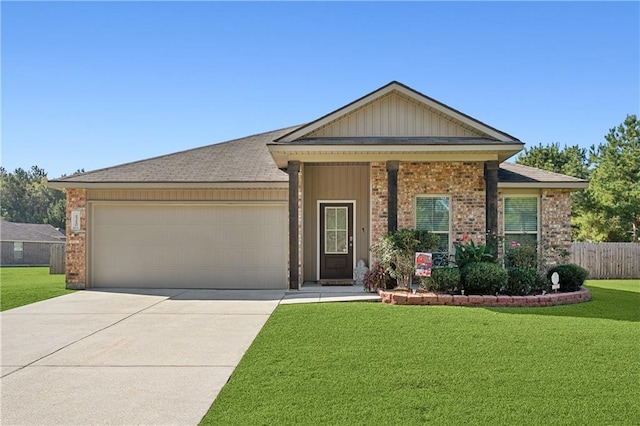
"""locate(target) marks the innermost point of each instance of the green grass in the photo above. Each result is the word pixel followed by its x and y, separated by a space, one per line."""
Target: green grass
pixel 23 285
pixel 367 363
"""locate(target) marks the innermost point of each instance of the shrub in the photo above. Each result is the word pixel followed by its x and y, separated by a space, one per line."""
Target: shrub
pixel 397 249
pixel 571 276
pixel 521 281
pixel 483 278
pixel 543 285
pixel 521 255
pixel 445 279
pixel 470 253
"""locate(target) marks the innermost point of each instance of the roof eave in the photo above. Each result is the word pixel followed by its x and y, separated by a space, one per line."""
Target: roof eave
pixel 282 153
pixel 168 185
pixel 574 186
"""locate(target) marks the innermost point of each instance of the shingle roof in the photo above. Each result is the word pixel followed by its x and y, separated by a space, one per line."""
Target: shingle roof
pixel 240 160
pixel 519 174
pixel 247 160
pixel 11 231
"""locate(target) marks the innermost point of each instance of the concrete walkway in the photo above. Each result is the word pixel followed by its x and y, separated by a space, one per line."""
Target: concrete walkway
pixel 146 357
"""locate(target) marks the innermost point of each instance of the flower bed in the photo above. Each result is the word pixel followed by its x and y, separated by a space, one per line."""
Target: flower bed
pixel 399 297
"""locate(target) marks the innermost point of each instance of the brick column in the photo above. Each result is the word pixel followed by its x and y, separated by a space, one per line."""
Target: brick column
pixel 392 198
pixel 76 243
pixel 293 169
pixel 491 202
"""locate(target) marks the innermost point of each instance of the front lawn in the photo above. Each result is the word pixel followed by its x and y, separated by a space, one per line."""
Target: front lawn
pixel 369 363
pixel 23 285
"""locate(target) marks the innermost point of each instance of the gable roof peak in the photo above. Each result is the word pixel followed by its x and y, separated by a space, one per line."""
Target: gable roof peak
pixel 479 128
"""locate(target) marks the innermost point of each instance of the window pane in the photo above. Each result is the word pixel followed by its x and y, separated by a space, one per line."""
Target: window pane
pixel 330 217
pixel 330 242
pixel 432 214
pixel 520 238
pixel 521 214
pixel 17 250
pixel 441 253
pixel 341 241
pixel 341 218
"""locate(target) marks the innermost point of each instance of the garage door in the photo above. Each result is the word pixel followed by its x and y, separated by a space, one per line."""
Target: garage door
pixel 189 246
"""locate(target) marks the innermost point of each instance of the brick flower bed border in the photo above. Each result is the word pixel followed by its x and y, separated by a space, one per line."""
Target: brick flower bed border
pixel 405 298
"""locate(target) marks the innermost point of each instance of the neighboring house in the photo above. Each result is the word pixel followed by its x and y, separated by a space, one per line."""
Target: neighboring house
pixel 28 243
pixel 236 214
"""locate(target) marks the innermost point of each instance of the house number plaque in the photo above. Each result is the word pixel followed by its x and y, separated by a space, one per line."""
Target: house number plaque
pixel 75 220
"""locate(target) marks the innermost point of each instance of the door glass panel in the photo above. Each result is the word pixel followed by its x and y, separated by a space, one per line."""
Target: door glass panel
pixel 336 229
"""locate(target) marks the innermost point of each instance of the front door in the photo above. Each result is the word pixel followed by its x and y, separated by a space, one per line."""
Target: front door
pixel 336 241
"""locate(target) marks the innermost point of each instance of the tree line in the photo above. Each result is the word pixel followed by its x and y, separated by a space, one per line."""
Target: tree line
pixel 609 210
pixel 26 198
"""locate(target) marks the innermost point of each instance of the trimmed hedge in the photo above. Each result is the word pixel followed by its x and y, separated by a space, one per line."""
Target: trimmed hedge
pixel 445 279
pixel 483 278
pixel 572 276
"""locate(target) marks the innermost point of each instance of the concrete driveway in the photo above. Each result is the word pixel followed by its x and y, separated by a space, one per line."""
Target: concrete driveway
pixel 124 356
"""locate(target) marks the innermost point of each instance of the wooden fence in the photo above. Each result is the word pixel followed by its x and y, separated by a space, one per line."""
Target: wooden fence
pixel 56 259
pixel 608 260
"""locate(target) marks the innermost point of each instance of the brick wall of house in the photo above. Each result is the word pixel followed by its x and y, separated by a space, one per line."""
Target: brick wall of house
pixel 555 229
pixel 463 182
pixel 76 246
pixel 378 176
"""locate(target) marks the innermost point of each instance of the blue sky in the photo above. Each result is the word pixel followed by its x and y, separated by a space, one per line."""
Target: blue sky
pixel 96 84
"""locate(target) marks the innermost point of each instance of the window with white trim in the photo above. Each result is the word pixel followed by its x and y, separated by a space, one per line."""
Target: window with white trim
pixel 18 250
pixel 433 214
pixel 520 220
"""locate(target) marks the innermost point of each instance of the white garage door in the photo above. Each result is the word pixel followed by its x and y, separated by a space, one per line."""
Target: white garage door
pixel 189 246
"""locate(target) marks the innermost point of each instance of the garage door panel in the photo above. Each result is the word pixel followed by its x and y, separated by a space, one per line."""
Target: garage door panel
pixel 189 246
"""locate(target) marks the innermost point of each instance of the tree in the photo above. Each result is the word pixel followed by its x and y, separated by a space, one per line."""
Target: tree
pixel 615 185
pixel 26 198
pixel 570 160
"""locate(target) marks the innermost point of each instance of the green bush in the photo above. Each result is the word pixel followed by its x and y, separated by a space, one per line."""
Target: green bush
pixel 571 276
pixel 445 279
pixel 523 255
pixel 521 281
pixel 483 278
pixel 542 285
pixel 396 251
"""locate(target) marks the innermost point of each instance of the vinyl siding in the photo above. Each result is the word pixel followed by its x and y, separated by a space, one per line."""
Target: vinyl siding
pixel 334 181
pixel 394 115
pixel 187 195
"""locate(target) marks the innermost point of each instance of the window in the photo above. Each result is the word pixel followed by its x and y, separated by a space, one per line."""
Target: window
pixel 336 229
pixel 18 251
pixel 433 214
pixel 520 219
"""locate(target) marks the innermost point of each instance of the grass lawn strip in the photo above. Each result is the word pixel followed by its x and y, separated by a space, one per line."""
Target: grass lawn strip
pixel 366 363
pixel 24 285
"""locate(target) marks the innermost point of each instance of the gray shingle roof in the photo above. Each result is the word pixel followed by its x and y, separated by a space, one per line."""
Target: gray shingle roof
pixel 247 160
pixel 239 160
pixel 517 173
pixel 11 231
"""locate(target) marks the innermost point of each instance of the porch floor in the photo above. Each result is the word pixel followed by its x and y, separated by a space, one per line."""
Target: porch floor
pixel 311 292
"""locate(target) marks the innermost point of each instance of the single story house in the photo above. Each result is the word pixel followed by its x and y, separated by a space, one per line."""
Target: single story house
pixel 304 203
pixel 28 244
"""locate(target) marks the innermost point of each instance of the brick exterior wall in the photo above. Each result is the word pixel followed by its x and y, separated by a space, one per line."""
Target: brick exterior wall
pixel 462 182
pixel 555 229
pixel 76 246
